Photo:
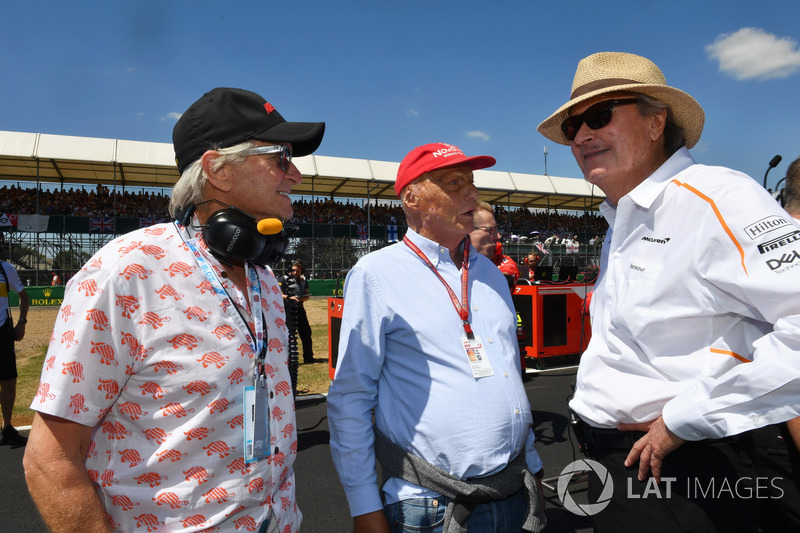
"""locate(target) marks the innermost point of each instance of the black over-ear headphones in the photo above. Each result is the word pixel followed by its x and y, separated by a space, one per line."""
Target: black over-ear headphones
pixel 234 236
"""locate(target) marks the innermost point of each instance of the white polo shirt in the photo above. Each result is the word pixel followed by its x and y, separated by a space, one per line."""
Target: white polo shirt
pixel 698 265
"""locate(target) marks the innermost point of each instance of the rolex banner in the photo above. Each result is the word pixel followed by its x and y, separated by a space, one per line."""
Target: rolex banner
pixel 39 296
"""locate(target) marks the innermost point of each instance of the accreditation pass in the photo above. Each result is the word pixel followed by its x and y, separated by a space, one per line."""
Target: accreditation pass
pixel 256 425
pixel 476 355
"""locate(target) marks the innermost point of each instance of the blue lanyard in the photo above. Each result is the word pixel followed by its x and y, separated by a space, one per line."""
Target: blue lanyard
pixel 257 341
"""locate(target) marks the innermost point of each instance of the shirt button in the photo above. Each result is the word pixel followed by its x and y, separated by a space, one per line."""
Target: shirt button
pixel 505 374
pixel 475 308
pixel 756 419
pixel 516 411
pixel 490 340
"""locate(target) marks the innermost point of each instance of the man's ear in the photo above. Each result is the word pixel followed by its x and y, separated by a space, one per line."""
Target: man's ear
pixel 658 122
pixel 218 176
pixel 409 195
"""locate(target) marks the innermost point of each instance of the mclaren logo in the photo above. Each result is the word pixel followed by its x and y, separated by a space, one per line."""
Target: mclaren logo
pixel 781 241
pixel 765 225
pixel 657 241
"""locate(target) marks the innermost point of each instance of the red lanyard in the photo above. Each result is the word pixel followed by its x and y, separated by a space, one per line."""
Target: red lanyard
pixel 461 308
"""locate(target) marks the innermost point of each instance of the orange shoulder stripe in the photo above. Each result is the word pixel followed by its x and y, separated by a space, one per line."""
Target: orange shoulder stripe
pixel 719 217
pixel 732 354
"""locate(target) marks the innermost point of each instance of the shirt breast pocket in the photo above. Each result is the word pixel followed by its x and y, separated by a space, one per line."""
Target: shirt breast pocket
pixel 635 293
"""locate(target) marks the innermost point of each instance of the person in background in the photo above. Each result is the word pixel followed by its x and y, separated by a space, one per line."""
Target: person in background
pixel 56 280
pixel 165 401
pixel 295 291
pixel 532 261
pixel 778 445
pixel 695 315
pixel 428 342
pixel 485 238
pixel 10 333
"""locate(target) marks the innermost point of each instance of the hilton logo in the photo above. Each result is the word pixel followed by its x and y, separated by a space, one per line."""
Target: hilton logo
pixel 765 225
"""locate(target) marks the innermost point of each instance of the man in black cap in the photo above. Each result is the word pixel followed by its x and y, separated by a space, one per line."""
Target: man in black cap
pixel 165 401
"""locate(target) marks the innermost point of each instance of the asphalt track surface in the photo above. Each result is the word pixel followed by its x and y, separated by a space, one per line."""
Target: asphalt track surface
pixel 319 494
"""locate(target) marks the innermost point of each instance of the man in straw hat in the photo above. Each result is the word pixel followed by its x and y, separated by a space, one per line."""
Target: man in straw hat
pixel 695 315
pixel 428 341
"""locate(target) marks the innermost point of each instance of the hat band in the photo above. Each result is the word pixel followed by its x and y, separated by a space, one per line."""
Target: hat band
pixel 600 84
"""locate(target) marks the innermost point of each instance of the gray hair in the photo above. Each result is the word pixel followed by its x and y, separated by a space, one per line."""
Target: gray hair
pixel 189 188
pixel 674 135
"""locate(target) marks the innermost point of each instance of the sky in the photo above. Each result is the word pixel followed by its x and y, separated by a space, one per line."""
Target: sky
pixel 389 75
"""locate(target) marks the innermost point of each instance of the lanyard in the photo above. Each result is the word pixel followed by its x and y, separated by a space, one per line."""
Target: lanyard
pixel 462 307
pixel 257 341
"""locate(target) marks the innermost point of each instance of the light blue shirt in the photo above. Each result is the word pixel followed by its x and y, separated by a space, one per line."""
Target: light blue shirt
pixel 401 354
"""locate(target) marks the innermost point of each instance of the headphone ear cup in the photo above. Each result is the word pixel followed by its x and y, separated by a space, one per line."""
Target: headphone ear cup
pixel 276 246
pixel 233 235
pixel 184 215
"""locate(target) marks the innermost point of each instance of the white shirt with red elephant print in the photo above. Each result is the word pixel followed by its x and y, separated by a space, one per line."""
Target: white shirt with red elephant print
pixel 144 351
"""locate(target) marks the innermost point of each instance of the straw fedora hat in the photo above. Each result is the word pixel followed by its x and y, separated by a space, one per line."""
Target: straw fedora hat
pixel 608 72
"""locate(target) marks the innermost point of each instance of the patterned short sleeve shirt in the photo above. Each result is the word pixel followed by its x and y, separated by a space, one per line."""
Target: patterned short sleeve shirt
pixel 146 352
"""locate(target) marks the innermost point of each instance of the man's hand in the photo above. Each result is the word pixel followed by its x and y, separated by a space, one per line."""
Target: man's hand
pixel 374 522
pixel 651 449
pixel 19 331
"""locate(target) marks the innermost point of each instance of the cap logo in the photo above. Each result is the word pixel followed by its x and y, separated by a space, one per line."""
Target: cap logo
pixel 447 152
pixel 268 107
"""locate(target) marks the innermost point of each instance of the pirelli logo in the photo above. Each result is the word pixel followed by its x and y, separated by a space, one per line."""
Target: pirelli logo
pixel 780 242
pixel 765 225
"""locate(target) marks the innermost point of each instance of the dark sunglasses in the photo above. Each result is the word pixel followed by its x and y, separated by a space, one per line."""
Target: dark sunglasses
pixel 285 154
pixel 597 116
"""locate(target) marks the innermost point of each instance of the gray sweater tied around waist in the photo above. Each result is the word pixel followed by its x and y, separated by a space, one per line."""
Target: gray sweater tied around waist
pixel 463 495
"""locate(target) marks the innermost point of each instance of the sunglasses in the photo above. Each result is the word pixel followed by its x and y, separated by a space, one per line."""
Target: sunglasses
pixel 487 229
pixel 285 150
pixel 597 116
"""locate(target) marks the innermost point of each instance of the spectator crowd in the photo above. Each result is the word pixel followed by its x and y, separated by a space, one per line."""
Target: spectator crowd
pixel 103 201
pixel 82 203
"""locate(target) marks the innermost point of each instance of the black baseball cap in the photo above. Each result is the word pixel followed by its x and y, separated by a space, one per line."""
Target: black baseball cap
pixel 225 117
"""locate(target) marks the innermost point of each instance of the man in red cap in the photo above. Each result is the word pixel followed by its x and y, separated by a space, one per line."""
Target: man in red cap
pixel 428 343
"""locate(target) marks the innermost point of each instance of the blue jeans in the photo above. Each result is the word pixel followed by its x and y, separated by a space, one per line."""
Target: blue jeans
pixel 427 515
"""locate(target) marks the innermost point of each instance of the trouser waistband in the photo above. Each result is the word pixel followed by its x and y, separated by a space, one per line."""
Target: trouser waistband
pixel 592 438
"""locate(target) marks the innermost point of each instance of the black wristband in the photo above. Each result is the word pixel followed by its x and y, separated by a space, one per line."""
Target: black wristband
pixel 22 321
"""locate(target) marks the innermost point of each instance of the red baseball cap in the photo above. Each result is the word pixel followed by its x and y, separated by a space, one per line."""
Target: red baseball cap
pixel 435 156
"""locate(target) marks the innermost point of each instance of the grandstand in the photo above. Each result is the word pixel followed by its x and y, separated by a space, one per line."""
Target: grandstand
pixel 44 238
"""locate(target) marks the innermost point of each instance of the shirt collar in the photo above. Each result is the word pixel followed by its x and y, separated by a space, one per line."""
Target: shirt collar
pixel 646 192
pixel 433 250
pixel 195 232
